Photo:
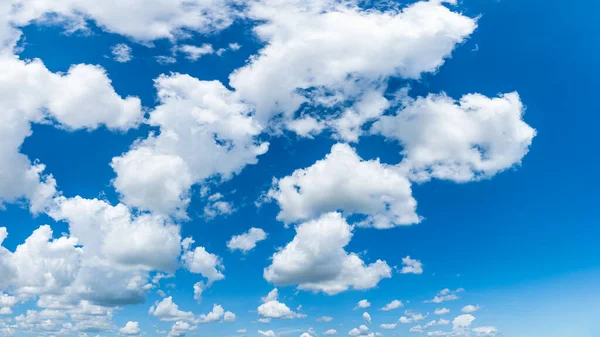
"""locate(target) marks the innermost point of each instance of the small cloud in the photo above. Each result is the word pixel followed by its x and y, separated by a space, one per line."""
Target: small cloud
pixel 121 53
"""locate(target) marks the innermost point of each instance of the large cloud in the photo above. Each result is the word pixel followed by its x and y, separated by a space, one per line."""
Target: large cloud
pixel 337 52
pixel 157 173
pixel 343 181
pixel 152 20
pixel 316 260
pixel 464 140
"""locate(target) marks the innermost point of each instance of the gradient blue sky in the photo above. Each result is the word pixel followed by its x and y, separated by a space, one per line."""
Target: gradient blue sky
pixel 523 243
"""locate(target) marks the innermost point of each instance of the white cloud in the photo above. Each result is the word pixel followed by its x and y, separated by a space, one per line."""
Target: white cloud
pixel 467 309
pixel 271 296
pixel 363 304
pixel 241 331
pixel 366 317
pixel 395 304
pixel 158 20
pixel 441 311
pixel 462 322
pixel 362 331
pixel 388 326
pixel 130 329
pixel 157 173
pixel 416 329
pixel 247 241
pixel 445 295
pixel 361 49
pixel 411 317
pixel 485 331
pixel 411 266
pixel 121 53
pixel 464 140
pixel 216 206
pixel 167 310
pixel 276 309
pixel 330 332
pixel 316 260
pixel 193 53
pixel 441 321
pixel 215 315
pixel 199 261
pixel 180 328
pixel 229 316
pixel 268 333
pixel 343 181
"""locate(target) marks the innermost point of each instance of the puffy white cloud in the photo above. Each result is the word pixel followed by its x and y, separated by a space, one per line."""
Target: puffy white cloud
pixel 193 53
pixel 316 260
pixel 247 241
pixel 229 316
pixel 441 311
pixel 241 331
pixel 167 310
pixel 411 317
pixel 306 334
pixel 330 332
pixel 416 329
pixel 411 266
pixel 360 50
pixel 388 326
pixel 268 333
pixel 156 20
pixel 362 331
pixel 40 265
pixel 271 296
pixel 461 141
pixel 157 173
pixel 441 321
pixel 366 317
pixel 114 232
pixel 180 328
pixel 121 53
pixel 363 304
pixel 467 309
pixel 276 309
pixel 215 315
pixel 445 295
pixel 462 322
pixel 395 304
pixel 199 261
pixel 343 181
pixel 485 331
pixel 131 329
pixel 216 206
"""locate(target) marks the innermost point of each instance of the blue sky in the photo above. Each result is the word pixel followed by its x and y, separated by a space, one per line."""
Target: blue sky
pixel 489 199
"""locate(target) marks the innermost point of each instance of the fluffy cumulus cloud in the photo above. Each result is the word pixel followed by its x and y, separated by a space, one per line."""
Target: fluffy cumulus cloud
pixel 157 173
pixel 441 311
pixel 411 317
pixel 485 331
pixel 360 50
pixel 343 181
pixel 268 333
pixel 199 261
pixel 121 53
pixel 160 19
pixel 130 329
pixel 473 138
pixel 395 304
pixel 247 241
pixel 366 317
pixel 272 308
pixel 361 331
pixel 467 309
pixel 363 304
pixel 167 310
pixel 462 322
pixel 316 260
pixel 330 332
pixel 411 266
